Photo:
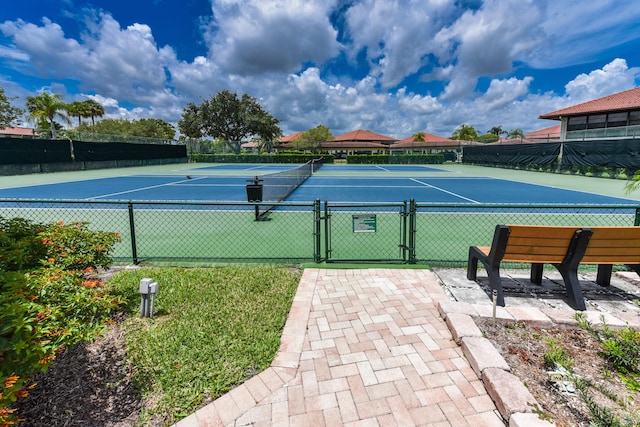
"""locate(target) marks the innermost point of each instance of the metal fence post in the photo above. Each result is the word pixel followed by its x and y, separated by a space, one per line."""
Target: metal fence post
pixel 636 220
pixel 132 229
pixel 403 231
pixel 412 231
pixel 327 232
pixel 317 232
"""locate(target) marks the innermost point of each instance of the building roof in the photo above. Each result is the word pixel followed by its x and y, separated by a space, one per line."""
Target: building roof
pixel 336 145
pixel 544 133
pixel 290 137
pixel 17 131
pixel 621 101
pixel 363 135
pixel 430 140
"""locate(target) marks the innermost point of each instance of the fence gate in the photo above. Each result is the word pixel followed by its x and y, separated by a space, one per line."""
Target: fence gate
pixel 370 232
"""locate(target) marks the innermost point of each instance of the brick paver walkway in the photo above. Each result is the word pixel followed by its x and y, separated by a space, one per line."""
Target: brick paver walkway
pixel 363 347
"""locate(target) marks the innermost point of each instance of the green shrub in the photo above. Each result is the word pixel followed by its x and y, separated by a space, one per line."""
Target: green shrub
pixel 47 301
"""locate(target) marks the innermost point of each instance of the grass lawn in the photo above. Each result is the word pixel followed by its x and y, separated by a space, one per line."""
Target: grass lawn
pixel 213 328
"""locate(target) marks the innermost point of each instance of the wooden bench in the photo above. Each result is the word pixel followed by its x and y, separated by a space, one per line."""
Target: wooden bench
pixel 613 245
pixel 562 247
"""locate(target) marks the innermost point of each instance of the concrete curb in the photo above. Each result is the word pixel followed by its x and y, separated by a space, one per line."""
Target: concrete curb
pixel 513 400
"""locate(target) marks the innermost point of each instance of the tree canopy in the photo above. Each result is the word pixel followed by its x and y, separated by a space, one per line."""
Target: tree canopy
pixel 232 119
pixel 8 113
pixel 419 137
pixel 148 128
pixel 465 132
pixel 313 138
pixel 47 108
pixel 497 131
pixel 515 133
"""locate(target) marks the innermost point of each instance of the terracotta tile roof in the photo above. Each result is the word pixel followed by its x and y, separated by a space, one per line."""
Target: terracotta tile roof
pixel 290 137
pixel 627 100
pixel 550 131
pixel 16 131
pixel 430 141
pixel 335 145
pixel 427 144
pixel 363 135
pixel 428 138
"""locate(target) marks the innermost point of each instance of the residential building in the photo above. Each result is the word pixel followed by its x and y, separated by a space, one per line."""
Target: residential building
pixel 615 116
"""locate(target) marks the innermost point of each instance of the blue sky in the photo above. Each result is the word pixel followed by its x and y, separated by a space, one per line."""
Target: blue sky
pixel 394 67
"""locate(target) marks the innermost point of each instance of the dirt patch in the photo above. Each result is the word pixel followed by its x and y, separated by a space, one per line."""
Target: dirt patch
pixel 523 347
pixel 88 385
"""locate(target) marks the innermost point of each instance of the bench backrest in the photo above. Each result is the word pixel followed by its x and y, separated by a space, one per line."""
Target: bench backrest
pixel 538 243
pixel 613 245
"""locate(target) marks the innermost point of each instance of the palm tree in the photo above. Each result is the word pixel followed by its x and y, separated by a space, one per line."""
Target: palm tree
pixel 79 109
pixel 465 132
pixel 94 109
pixel 419 137
pixel 515 133
pixel 47 107
pixel 497 131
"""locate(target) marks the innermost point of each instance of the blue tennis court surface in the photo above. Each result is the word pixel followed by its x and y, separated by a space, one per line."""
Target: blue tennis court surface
pixel 205 185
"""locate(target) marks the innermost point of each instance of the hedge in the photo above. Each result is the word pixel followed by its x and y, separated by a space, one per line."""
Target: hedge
pixel 260 158
pixel 402 159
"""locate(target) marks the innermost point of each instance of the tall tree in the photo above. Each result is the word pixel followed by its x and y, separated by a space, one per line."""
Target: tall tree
pixel 229 118
pixel 313 138
pixel 515 133
pixel 47 107
pixel 465 132
pixel 8 113
pixel 153 128
pixel 78 109
pixel 497 131
pixel 94 109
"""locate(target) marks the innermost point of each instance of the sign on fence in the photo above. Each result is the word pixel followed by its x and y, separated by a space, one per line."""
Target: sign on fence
pixel 364 223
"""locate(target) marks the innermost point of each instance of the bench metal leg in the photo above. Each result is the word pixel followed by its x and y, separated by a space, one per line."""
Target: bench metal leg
pixel 572 284
pixel 536 273
pixel 604 274
pixel 472 264
pixel 493 271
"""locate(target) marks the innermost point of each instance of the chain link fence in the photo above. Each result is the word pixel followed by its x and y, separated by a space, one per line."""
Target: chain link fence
pixel 406 232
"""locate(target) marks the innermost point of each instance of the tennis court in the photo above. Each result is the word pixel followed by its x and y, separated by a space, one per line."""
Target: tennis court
pixel 334 183
pixel 200 213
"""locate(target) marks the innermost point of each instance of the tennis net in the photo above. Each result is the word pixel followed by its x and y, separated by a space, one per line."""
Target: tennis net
pixel 277 186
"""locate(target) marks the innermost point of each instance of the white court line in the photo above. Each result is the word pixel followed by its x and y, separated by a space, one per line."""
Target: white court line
pixel 145 188
pixel 445 191
pixel 384 169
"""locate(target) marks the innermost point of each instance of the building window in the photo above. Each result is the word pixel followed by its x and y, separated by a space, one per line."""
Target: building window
pixel 634 118
pixel 617 120
pixel 597 121
pixel 577 123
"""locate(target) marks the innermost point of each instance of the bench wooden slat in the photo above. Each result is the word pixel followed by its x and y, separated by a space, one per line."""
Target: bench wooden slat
pixel 538 243
pixel 613 245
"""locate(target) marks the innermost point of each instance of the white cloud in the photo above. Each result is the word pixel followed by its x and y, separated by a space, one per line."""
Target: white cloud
pixel 487 42
pixel 395 35
pixel 613 77
pixel 256 36
pixel 424 59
